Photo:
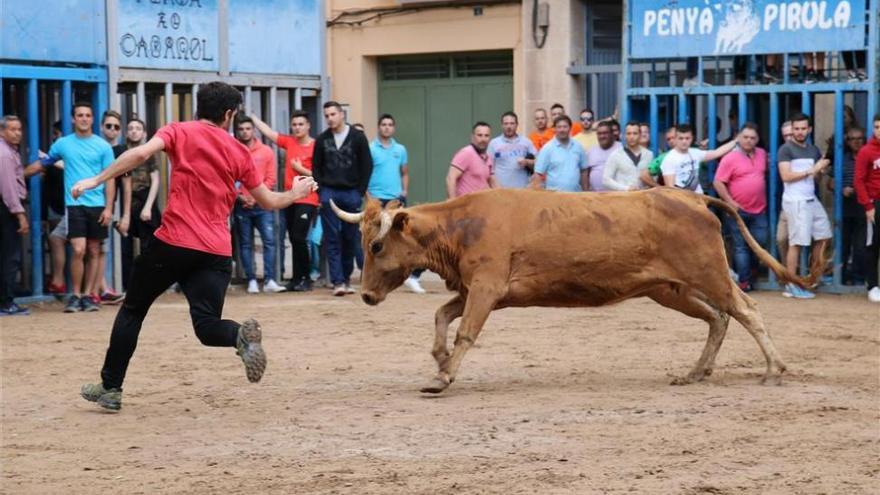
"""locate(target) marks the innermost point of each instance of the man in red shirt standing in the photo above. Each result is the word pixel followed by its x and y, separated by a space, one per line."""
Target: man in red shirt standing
pixel 867 186
pixel 300 216
pixel 193 245
pixel 248 213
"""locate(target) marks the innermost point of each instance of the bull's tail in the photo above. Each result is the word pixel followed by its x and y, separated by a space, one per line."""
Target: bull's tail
pixel 816 269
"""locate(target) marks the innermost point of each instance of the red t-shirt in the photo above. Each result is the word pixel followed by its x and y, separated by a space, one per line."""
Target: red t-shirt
pixel 304 154
pixel 206 162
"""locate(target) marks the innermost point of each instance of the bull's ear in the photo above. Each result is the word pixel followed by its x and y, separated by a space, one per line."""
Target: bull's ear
pixel 372 206
pixel 401 220
pixel 393 204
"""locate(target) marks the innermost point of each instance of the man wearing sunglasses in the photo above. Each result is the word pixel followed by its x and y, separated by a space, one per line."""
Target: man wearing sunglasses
pixel 587 135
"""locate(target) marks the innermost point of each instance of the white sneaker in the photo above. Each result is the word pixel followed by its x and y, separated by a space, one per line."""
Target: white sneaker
pixel 413 285
pixel 253 288
pixel 349 289
pixel 271 286
pixel 874 295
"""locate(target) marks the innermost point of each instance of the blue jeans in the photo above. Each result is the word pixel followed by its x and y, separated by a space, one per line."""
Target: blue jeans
pixel 743 257
pixel 340 238
pixel 245 221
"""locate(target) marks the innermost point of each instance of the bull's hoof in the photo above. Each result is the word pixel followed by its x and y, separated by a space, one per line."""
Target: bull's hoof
pixel 681 380
pixel 774 379
pixel 692 377
pixel 435 386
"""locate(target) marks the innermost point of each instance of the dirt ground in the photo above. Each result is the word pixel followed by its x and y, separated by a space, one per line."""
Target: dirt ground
pixel 549 401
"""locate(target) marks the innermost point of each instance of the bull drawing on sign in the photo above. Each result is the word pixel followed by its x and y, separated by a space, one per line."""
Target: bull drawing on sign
pixel 518 248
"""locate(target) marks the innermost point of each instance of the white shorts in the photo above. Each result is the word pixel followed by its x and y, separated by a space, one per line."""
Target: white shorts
pixel 807 221
pixel 60 230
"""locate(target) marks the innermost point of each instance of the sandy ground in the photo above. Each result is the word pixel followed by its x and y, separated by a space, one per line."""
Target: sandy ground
pixel 549 401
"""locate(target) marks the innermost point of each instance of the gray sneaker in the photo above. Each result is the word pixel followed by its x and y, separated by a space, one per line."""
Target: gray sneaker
pixel 250 349
pixel 108 399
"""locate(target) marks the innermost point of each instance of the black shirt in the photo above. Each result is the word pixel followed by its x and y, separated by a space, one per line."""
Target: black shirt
pixel 346 167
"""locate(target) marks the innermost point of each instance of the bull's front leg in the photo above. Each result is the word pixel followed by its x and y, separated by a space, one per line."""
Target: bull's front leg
pixel 445 315
pixel 480 302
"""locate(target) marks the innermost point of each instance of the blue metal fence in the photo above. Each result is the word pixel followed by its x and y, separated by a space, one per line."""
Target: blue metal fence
pixel 32 76
pixel 664 104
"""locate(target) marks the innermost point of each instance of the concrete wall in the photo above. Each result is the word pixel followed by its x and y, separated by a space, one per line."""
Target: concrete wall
pixel 353 51
pixel 546 81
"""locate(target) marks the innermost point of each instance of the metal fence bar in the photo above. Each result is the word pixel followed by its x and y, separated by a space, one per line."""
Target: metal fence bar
pixel 839 139
pixel 773 179
pixel 33 121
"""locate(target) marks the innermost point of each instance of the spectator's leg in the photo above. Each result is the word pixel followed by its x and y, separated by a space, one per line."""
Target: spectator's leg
pixel 57 252
pixel 759 226
pixel 265 224
pixel 94 266
pixel 300 221
pixel 332 226
pixel 10 255
pixel 245 230
pixel 77 264
pixel 872 253
pixel 740 249
pixel 857 267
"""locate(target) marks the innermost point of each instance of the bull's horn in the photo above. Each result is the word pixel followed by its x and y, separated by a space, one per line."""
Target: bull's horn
pixel 384 226
pixel 346 216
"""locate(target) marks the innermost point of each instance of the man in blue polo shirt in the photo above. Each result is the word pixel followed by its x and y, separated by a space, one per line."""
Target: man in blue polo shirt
pixel 390 178
pixel 85 155
pixel 562 163
pixel 512 154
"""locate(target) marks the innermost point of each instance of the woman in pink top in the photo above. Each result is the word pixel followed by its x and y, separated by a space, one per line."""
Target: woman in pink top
pixel 193 246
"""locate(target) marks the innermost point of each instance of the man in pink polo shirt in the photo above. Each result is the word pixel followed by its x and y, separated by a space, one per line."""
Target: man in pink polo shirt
pixel 741 183
pixel 192 246
pixel 471 168
pixel 248 213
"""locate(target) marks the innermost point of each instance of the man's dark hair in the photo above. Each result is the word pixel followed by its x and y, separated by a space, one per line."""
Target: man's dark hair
pixel 111 113
pixel 139 121
pixel 215 99
pixel 800 117
pixel 386 116
pixel 684 128
pixel 644 124
pixel 750 125
pixel 299 114
pixel 557 105
pixel 332 103
pixel 510 113
pixel 81 104
pixel 606 123
pixel 588 109
pixel 480 124
pixel 876 117
pixel 857 129
pixel 57 125
pixel 243 119
pixel 633 122
pixel 562 118
pixel 614 123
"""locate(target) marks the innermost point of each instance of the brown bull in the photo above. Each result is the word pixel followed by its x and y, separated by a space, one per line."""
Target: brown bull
pixel 517 248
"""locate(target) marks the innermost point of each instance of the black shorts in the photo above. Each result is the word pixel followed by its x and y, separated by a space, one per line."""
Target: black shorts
pixel 82 221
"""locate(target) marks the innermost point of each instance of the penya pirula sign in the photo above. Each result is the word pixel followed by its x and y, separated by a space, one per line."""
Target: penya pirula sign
pixel 681 28
pixel 168 34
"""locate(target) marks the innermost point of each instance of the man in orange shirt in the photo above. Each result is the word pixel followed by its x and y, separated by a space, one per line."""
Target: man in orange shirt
pixel 542 134
pixel 300 216
pixel 248 214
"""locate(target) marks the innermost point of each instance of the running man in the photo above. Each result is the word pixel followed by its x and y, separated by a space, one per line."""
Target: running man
pixel 192 246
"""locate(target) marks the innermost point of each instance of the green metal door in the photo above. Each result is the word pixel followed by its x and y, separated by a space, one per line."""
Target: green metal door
pixel 435 101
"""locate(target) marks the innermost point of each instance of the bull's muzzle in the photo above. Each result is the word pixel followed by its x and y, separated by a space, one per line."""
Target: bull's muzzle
pixel 369 298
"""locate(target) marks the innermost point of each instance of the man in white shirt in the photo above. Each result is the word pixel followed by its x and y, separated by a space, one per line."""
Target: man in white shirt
pixel 681 167
pixel 799 163
pixel 622 169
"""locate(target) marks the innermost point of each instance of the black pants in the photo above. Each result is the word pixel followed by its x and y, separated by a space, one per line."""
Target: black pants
pixel 139 229
pixel 872 254
pixel 853 240
pixel 300 218
pixel 203 277
pixel 10 254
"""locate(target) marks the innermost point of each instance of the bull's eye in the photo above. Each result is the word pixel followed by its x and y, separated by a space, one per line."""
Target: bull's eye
pixel 375 247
